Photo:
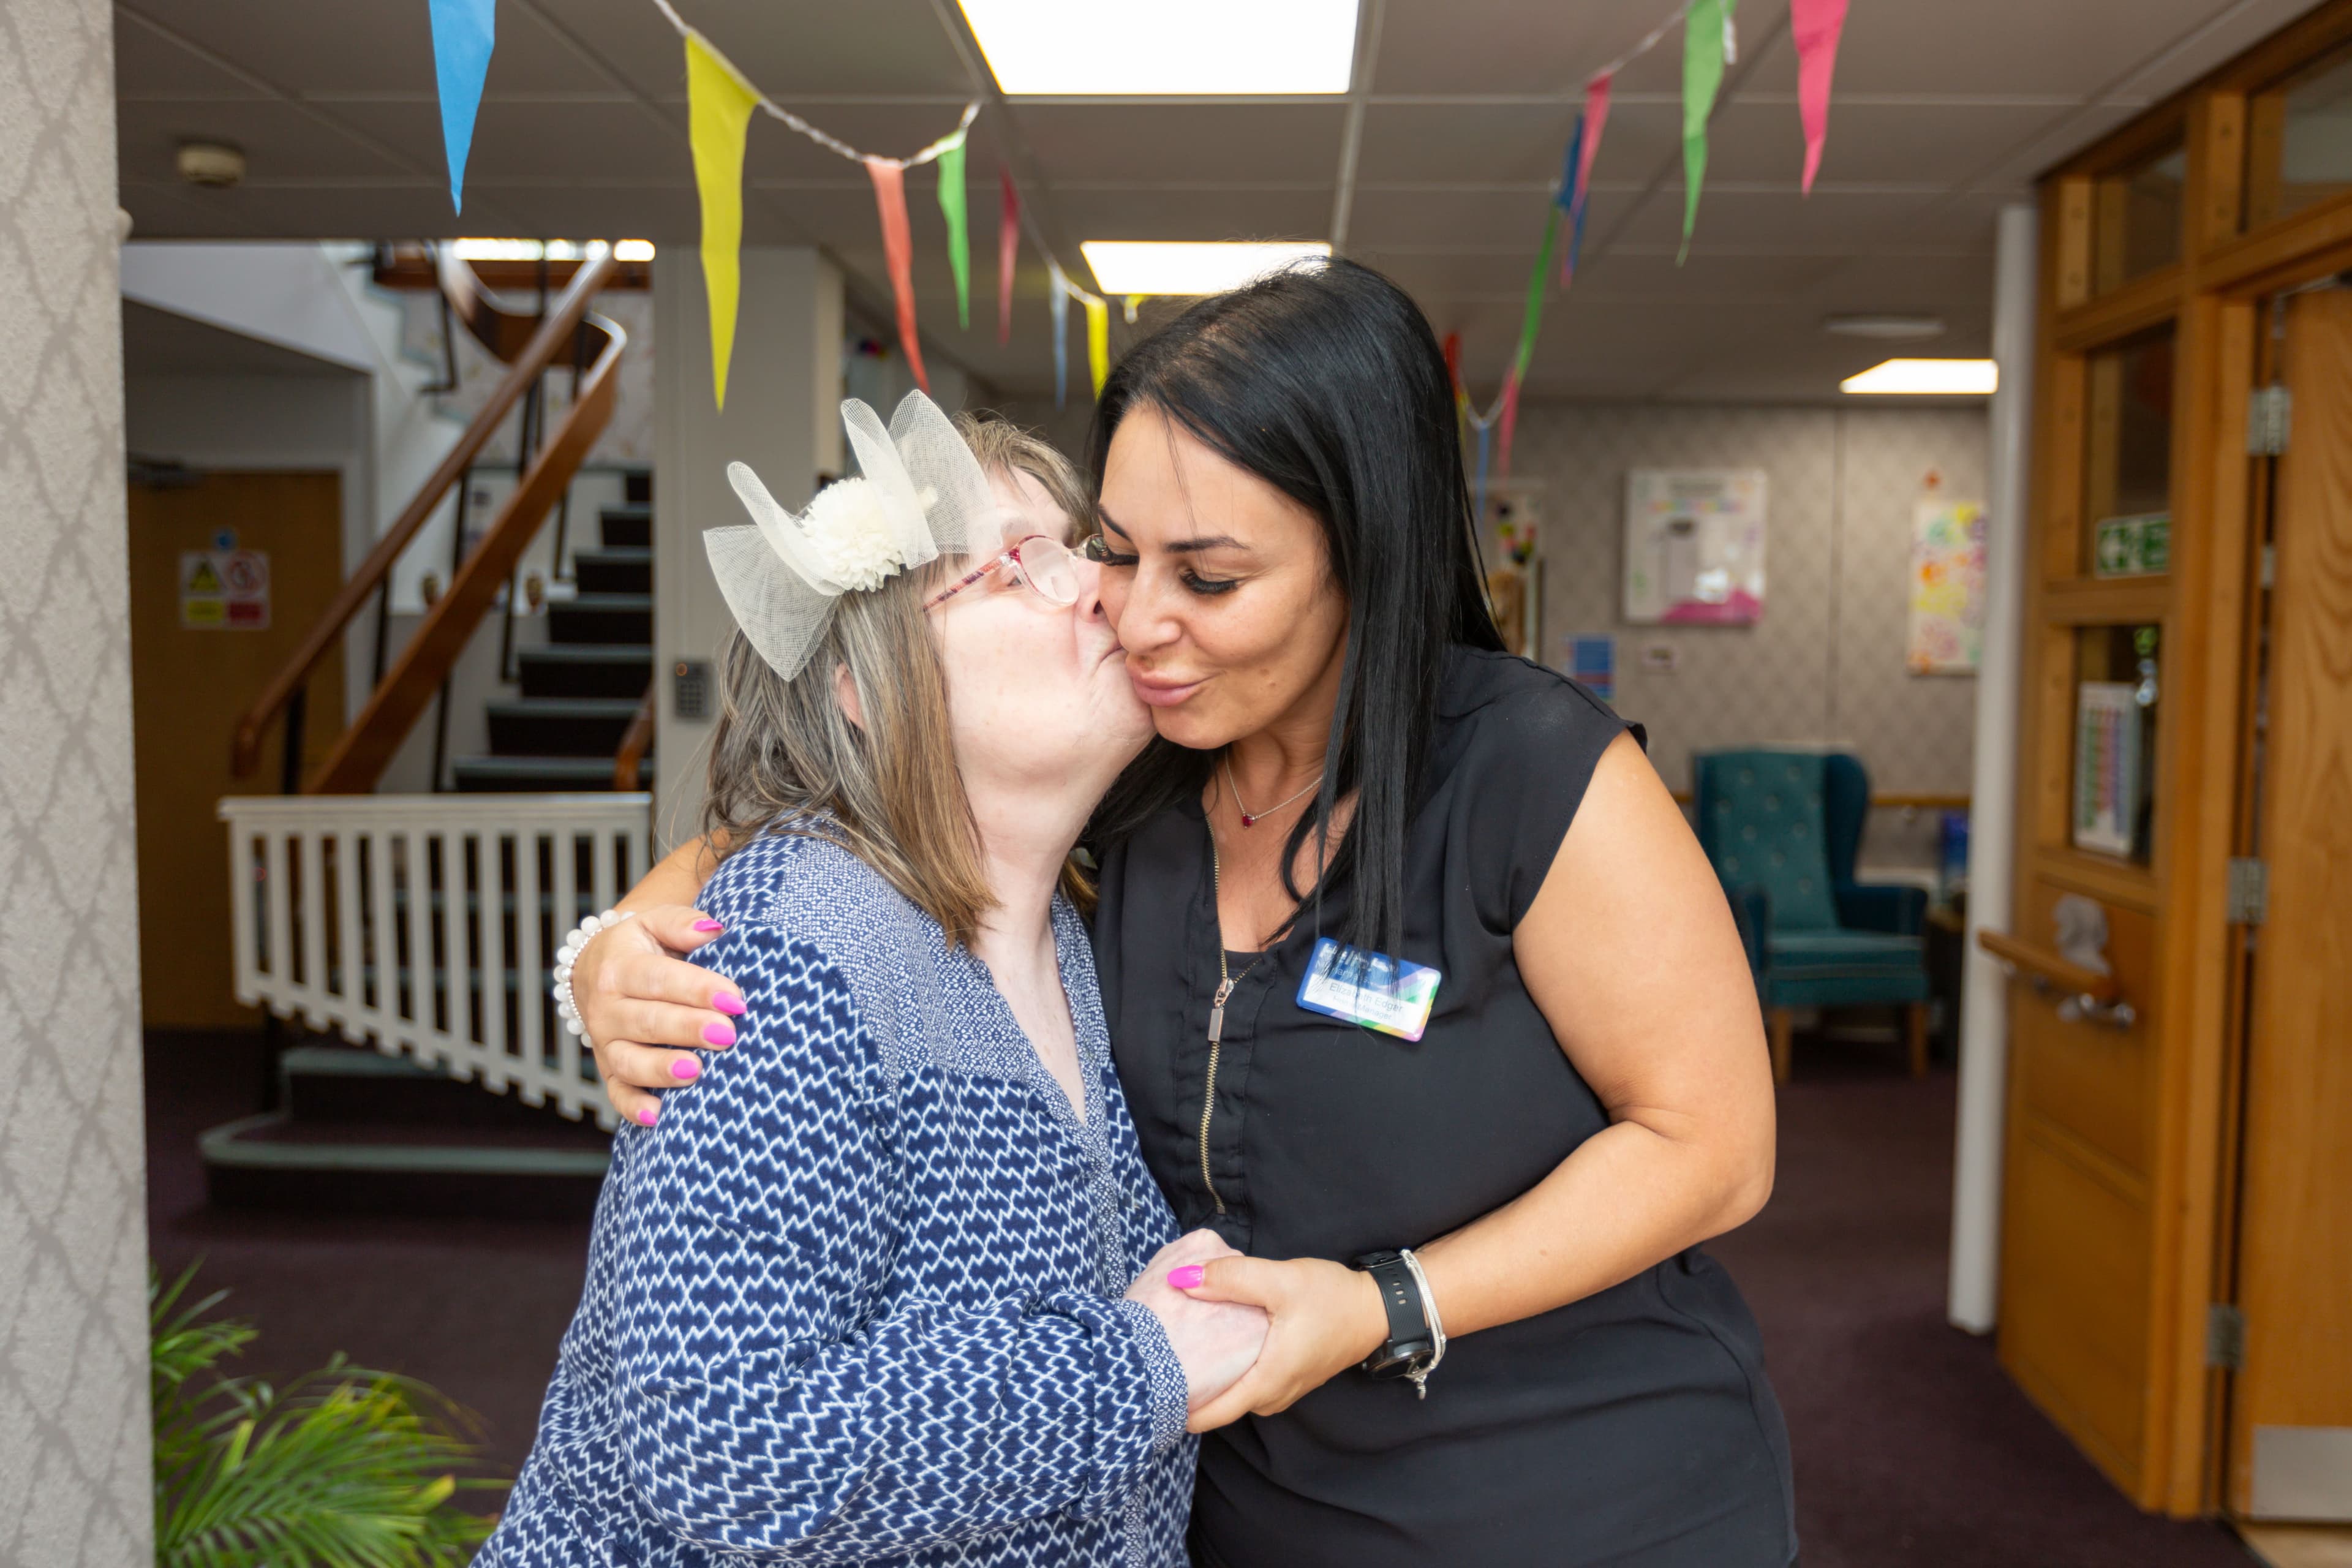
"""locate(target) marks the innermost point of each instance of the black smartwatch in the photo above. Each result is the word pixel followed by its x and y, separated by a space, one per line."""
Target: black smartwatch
pixel 1416 1340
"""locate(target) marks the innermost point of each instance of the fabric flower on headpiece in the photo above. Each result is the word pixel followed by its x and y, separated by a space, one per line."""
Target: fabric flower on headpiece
pixel 919 494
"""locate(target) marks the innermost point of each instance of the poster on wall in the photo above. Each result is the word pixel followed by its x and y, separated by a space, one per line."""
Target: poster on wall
pixel 1948 585
pixel 1695 546
pixel 2107 765
pixel 226 589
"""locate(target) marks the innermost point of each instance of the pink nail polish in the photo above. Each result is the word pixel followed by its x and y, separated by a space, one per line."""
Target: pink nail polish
pixel 685 1070
pixel 719 1034
pixel 727 1002
pixel 709 925
pixel 646 1117
pixel 1188 1278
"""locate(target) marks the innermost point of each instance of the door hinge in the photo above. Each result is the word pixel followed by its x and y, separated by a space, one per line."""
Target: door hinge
pixel 2269 414
pixel 2249 891
pixel 2225 1336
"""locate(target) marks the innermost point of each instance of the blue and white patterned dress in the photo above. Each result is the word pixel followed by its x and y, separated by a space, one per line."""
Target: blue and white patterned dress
pixel 857 1298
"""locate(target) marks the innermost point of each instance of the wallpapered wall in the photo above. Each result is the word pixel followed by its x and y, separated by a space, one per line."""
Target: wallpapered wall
pixel 1826 664
pixel 74 1446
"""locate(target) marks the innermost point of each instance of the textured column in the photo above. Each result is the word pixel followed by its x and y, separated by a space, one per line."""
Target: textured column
pixel 74 1446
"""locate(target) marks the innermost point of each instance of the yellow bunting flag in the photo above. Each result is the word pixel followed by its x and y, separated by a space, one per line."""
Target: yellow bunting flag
pixel 718 104
pixel 1097 340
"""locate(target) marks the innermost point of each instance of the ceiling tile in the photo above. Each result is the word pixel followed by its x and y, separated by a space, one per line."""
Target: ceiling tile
pixel 1510 222
pixel 1488 142
pixel 1501 46
pixel 1240 143
pixel 279 140
pixel 1872 143
pixel 150 64
pixel 793 46
pixel 1192 215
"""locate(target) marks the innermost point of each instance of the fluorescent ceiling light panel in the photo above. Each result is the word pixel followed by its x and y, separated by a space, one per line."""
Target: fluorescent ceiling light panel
pixel 1157 48
pixel 1152 267
pixel 1926 377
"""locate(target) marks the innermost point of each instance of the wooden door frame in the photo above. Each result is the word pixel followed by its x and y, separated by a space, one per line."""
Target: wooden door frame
pixel 2205 605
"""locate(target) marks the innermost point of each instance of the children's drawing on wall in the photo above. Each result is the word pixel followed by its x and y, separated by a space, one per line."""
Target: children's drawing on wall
pixel 1695 546
pixel 1948 585
pixel 1513 571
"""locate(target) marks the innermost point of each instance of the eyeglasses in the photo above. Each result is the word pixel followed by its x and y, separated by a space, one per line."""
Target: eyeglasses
pixel 1042 563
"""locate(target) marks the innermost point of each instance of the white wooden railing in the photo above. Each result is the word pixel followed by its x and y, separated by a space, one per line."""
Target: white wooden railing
pixel 424 925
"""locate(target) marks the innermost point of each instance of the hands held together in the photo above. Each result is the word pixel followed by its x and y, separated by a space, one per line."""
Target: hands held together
pixel 1256 1335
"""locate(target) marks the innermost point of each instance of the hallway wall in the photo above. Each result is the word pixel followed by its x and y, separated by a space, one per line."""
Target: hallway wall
pixel 74 1442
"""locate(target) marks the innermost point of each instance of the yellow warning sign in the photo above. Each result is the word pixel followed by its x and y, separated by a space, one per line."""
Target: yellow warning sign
pixel 225 589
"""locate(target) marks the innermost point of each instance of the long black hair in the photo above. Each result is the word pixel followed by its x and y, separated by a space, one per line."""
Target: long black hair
pixel 1325 382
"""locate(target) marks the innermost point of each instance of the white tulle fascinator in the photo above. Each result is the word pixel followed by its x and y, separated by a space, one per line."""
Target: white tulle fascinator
pixel 919 494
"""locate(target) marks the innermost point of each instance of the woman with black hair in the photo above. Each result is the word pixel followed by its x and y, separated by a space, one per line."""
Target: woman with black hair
pixel 1420 991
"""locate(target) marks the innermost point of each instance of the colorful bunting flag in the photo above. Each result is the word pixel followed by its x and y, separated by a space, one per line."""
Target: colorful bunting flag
pixel 1008 250
pixel 1568 198
pixel 718 104
pixel 951 207
pixel 1705 28
pixel 1097 340
pixel 464 32
pixel 1530 323
pixel 890 177
pixel 1590 125
pixel 1816 25
pixel 1058 299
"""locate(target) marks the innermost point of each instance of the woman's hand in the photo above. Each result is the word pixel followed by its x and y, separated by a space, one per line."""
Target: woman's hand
pixel 647 1011
pixel 1216 1341
pixel 1325 1318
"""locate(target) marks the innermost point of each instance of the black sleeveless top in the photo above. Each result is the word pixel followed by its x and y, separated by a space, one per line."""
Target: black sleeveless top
pixel 1633 1427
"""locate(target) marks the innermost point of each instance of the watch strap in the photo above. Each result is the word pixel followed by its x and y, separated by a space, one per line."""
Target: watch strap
pixel 1411 1345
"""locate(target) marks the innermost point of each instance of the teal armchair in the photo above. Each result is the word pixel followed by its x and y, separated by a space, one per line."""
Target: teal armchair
pixel 1783 829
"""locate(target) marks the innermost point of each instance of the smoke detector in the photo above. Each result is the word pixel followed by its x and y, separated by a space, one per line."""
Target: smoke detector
pixel 213 164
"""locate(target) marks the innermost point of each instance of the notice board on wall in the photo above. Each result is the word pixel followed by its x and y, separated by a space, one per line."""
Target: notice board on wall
pixel 1695 546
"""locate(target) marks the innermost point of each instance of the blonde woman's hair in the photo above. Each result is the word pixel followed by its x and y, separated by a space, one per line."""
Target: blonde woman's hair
pixel 786 756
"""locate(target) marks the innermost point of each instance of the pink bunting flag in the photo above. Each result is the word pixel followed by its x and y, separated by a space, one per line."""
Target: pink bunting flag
pixel 1508 425
pixel 890 177
pixel 1008 250
pixel 1816 25
pixel 1596 117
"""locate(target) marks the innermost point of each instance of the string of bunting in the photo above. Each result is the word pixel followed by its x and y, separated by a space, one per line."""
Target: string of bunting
pixel 720 101
pixel 1710 42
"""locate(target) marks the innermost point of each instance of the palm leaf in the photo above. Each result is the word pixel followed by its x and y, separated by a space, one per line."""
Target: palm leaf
pixel 343 1468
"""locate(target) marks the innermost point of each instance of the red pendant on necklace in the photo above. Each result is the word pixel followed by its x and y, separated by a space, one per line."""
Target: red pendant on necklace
pixel 1247 820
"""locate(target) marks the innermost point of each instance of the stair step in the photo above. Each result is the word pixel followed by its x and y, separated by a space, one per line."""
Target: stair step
pixel 625 526
pixel 366 1132
pixel 560 726
pixel 625 569
pixel 539 775
pixel 587 670
pixel 637 484
pixel 601 618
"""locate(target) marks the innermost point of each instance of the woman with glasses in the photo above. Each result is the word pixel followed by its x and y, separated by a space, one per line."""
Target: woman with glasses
pixel 1423 995
pixel 879 1291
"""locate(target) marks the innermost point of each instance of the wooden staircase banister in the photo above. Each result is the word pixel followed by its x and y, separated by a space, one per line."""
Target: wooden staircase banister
pixel 628 762
pixel 552 337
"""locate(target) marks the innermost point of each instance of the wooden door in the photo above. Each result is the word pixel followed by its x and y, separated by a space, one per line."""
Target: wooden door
pixel 195 667
pixel 2291 1402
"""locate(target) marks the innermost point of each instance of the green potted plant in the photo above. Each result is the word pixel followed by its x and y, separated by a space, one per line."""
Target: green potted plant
pixel 342 1468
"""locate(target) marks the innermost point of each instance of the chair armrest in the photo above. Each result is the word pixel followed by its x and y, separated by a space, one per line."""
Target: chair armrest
pixel 1751 908
pixel 1892 907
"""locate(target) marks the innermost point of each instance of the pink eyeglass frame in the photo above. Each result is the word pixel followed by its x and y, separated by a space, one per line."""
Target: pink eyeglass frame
pixel 1011 555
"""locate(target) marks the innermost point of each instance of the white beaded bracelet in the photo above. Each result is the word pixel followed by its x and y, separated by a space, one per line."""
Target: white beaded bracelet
pixel 575 943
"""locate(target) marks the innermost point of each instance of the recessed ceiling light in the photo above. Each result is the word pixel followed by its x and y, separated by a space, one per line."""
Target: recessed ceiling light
pixel 1152 266
pixel 1950 376
pixel 1160 47
pixel 633 250
pixel 1885 326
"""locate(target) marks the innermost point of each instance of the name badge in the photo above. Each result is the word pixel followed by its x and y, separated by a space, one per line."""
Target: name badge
pixel 1371 989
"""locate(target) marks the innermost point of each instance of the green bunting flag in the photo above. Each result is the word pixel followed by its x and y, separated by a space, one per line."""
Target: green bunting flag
pixel 951 207
pixel 1707 29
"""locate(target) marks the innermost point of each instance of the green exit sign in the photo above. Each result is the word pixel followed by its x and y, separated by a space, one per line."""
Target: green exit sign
pixel 2133 546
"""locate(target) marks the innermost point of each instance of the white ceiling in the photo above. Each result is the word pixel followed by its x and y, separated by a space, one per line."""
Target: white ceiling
pixel 1942 113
